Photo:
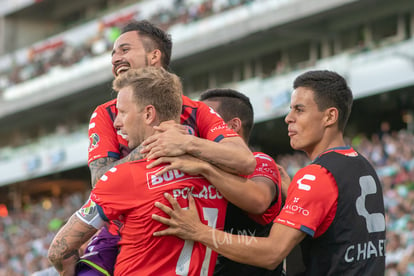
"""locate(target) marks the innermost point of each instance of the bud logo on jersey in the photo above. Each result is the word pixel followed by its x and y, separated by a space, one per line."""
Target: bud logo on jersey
pixel 93 141
pixel 167 178
pixel 88 208
pixel 305 187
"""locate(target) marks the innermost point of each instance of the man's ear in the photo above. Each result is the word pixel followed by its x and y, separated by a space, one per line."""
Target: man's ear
pixel 154 58
pixel 235 124
pixel 331 116
pixel 150 114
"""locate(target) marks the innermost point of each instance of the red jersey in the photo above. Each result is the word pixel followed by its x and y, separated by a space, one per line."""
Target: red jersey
pixel 266 167
pixel 127 193
pixel 312 199
pixel 239 221
pixel 104 140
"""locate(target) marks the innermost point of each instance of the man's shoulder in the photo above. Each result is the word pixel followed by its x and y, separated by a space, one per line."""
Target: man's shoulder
pixel 107 104
pixel 189 102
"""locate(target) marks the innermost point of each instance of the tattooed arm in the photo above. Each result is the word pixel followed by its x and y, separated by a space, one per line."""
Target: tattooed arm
pixel 100 166
pixel 64 251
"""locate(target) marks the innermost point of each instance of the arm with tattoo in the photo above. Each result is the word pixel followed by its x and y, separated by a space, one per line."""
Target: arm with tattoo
pixel 63 252
pixel 100 166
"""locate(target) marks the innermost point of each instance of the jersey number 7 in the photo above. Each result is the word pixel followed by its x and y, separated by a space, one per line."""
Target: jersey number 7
pixel 183 264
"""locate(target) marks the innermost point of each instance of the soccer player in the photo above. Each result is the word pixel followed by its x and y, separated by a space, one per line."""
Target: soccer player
pixel 142 44
pixel 237 111
pixel 259 195
pixel 334 208
pixel 126 193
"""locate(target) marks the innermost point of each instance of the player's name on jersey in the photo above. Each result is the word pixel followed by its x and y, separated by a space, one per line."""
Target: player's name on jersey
pixel 364 251
pixel 207 192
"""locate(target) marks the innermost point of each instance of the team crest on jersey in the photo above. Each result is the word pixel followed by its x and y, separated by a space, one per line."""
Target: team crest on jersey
pixel 189 129
pixel 93 141
pixel 88 208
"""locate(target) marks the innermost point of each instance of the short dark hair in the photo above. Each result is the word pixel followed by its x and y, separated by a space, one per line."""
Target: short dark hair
pixel 156 39
pixel 330 90
pixel 154 86
pixel 232 104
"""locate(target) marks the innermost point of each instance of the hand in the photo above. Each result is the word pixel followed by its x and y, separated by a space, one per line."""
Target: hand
pixel 285 178
pixel 169 140
pixel 183 223
pixel 185 163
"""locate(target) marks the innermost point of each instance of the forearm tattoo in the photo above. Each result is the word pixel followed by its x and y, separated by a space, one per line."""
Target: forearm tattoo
pixel 65 247
pixel 135 154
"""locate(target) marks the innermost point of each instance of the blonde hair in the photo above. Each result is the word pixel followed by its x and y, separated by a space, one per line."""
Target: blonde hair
pixel 154 86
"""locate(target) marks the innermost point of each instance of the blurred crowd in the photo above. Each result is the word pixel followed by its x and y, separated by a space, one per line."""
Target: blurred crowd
pixel 25 235
pixel 59 53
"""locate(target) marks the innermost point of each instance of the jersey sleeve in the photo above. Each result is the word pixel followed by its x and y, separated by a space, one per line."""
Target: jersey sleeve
pixel 103 140
pixel 91 214
pixel 211 125
pixel 311 201
pixel 113 192
pixel 266 167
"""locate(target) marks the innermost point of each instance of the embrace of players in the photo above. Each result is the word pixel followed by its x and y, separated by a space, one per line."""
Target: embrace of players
pixel 177 191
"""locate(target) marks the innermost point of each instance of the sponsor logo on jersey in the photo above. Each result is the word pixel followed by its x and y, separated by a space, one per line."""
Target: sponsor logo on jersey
pixel 295 208
pixel 93 141
pixel 219 127
pixel 264 168
pixel 88 209
pixel 168 178
pixel 302 185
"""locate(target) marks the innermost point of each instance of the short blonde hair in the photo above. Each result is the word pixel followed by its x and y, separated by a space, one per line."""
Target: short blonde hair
pixel 154 86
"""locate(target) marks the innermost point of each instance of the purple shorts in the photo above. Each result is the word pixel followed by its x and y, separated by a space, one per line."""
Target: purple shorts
pixel 100 255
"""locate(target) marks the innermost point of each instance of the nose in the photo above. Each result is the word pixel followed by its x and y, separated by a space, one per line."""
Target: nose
pixel 115 58
pixel 117 122
pixel 288 118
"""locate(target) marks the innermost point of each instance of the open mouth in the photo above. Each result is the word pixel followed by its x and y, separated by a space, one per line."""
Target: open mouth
pixel 121 69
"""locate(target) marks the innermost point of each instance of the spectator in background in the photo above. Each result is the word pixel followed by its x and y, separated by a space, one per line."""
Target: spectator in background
pixel 26 235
